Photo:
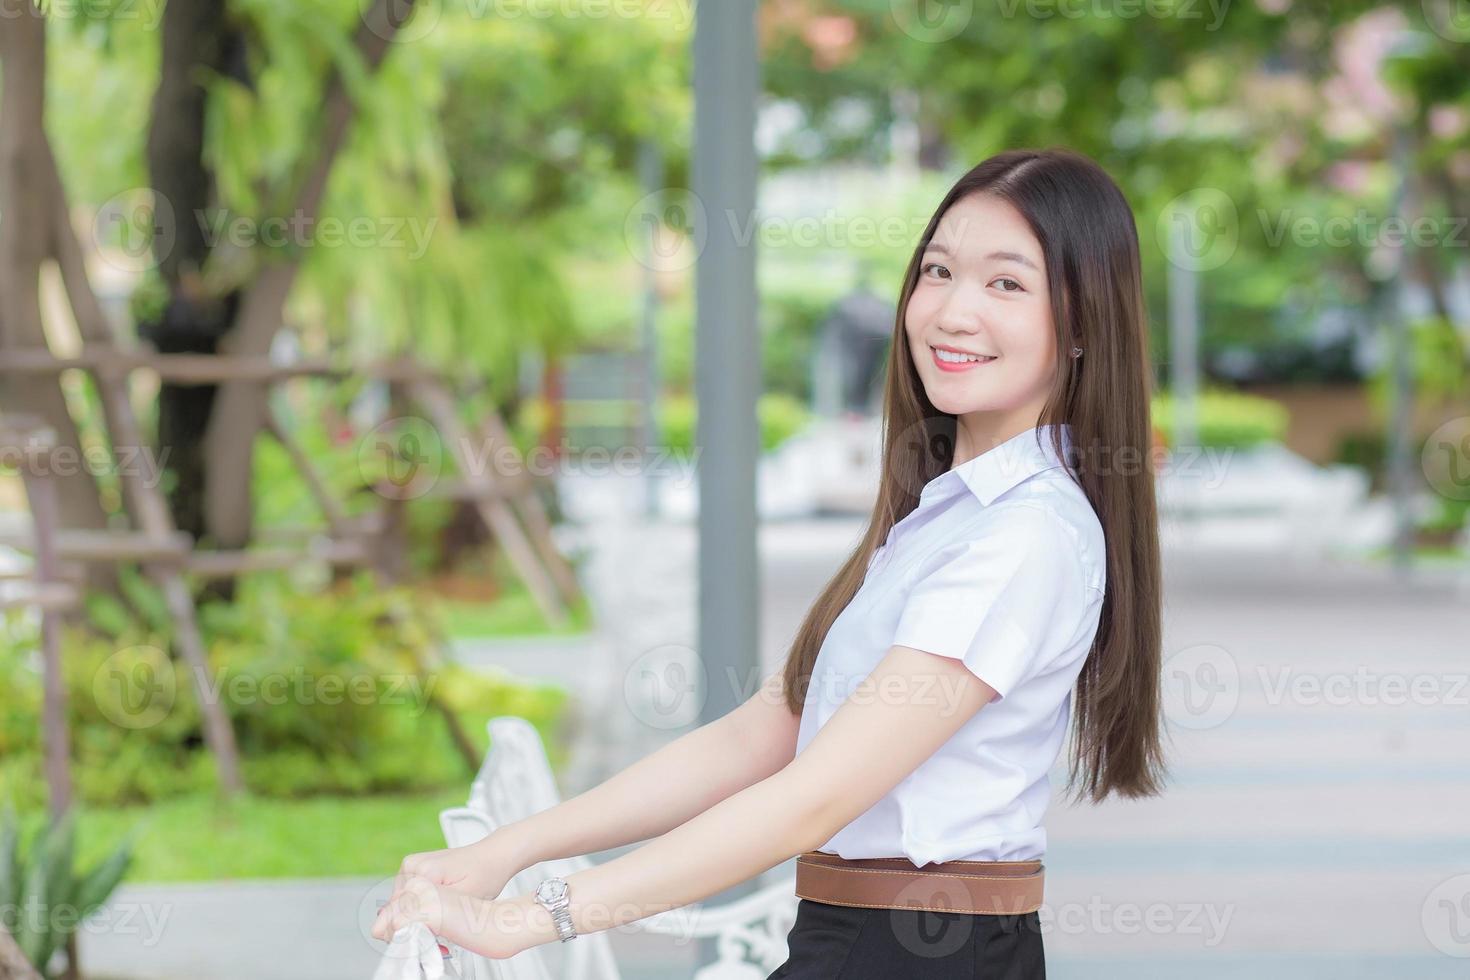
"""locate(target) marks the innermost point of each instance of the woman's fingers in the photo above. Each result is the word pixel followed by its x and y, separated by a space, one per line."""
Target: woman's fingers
pixel 411 867
pixel 414 888
pixel 416 900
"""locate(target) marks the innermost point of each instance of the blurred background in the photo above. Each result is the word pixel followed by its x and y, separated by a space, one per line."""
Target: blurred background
pixel 350 354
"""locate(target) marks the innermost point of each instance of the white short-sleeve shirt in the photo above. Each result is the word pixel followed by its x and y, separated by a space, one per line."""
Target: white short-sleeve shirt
pixel 1000 565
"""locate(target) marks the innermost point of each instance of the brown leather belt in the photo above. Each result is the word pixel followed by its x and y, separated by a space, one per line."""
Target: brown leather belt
pixel 978 887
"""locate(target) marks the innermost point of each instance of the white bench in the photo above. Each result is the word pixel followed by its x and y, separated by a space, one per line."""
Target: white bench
pixel 514 782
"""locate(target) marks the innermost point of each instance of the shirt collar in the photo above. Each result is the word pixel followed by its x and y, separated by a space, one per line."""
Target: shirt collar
pixel 1005 465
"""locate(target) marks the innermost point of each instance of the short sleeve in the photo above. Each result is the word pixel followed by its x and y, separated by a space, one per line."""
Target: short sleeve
pixel 994 601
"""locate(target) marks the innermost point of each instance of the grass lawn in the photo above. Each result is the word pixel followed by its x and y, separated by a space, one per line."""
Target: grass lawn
pixel 197 839
pixel 513 615
pixel 1436 555
pixel 508 610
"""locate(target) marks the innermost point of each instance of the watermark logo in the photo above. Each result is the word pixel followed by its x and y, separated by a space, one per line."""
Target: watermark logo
pixel 424 16
pixel 1201 686
pixel 142 922
pixel 138 228
pixel 402 457
pixel 666 230
pixel 400 21
pixel 665 687
pixel 135 229
pixel 1450 19
pixel 1445 916
pixel 299 231
pixel 148 13
pixel 926 932
pixel 135 687
pixel 932 21
pixel 1446 459
pixel 1361 229
pixel 140 463
pixel 373 901
pixel 1199 229
pixel 1181 10
pixel 1363 686
pixel 1208 921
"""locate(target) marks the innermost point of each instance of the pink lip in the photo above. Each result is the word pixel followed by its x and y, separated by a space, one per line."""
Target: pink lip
pixel 946 366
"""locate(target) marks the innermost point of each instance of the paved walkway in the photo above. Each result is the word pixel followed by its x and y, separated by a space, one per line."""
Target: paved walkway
pixel 1315 825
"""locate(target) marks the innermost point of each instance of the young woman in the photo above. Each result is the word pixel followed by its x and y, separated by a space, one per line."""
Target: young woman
pixel 1008 579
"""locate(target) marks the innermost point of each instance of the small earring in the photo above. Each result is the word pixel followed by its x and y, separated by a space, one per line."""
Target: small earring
pixel 1076 351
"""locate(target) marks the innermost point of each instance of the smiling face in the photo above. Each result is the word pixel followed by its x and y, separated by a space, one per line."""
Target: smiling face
pixel 982 290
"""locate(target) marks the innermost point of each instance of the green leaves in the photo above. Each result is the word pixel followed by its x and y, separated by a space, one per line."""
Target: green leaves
pixel 339 691
pixel 1226 419
pixel 43 895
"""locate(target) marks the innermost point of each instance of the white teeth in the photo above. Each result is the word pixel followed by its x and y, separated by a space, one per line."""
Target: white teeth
pixel 952 358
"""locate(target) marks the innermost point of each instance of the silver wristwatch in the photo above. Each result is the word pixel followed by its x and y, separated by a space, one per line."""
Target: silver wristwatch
pixel 552 895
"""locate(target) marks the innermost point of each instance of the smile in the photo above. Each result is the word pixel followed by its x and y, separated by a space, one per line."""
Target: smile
pixel 948 360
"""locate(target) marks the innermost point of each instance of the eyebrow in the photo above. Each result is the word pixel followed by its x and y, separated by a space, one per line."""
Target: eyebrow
pixel 1003 256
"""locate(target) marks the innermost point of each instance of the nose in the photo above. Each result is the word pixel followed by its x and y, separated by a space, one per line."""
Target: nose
pixel 961 313
pixel 959 318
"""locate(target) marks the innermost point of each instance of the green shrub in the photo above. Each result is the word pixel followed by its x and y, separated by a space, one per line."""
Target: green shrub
pixel 131 739
pixel 1226 419
pixel 1449 515
pixel 781 417
pixel 43 896
pixel 791 321
pixel 336 692
pixel 1363 448
pixel 1437 363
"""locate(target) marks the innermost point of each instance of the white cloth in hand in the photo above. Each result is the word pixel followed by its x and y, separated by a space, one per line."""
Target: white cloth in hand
pixel 413 954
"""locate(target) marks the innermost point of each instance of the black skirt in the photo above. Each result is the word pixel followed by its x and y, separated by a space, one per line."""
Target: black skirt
pixel 835 942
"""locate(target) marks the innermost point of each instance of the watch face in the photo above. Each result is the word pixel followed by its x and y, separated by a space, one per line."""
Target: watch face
pixel 551 890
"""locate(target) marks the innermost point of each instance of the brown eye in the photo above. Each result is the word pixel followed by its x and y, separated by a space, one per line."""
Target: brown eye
pixel 934 265
pixel 1012 282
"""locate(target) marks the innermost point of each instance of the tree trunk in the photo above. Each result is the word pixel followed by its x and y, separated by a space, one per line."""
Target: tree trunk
pixel 25 243
pixel 197 44
pixel 73 970
pixel 236 410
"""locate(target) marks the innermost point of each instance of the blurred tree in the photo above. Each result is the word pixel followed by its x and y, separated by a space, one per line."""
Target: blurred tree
pixel 31 234
pixel 1262 102
pixel 472 155
pixel 494 158
pixel 223 297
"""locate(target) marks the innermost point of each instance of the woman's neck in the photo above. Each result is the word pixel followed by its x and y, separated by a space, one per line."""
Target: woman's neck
pixel 979 432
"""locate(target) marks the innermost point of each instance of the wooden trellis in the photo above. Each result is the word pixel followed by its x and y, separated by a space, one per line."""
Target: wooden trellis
pixel 506 502
pixel 32 444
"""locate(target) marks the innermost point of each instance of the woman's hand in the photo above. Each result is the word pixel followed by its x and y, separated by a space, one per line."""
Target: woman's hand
pixel 462 919
pixel 481 869
pixel 414 899
pixel 441 888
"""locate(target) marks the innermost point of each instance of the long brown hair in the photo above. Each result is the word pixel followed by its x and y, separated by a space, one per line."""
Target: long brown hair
pixel 1090 244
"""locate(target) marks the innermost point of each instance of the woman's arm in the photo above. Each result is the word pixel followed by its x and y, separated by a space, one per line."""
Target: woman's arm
pixel 664 789
pixel 896 717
